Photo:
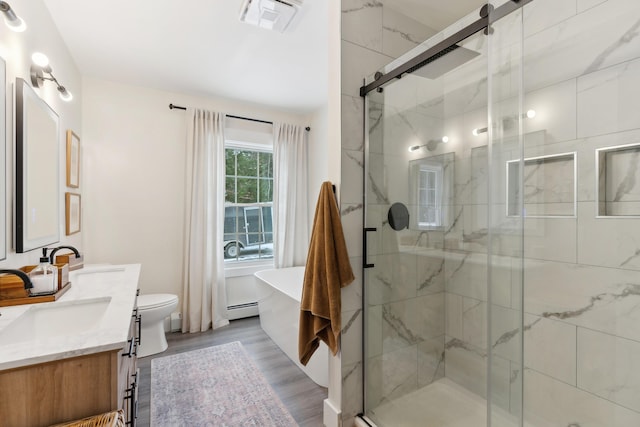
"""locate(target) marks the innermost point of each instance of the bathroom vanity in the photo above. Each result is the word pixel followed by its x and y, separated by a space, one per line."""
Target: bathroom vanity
pixel 75 357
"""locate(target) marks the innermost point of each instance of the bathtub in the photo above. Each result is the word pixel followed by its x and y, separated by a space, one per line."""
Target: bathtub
pixel 279 293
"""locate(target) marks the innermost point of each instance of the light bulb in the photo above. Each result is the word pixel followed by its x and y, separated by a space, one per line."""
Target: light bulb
pixel 40 59
pixel 475 132
pixel 13 21
pixel 531 114
pixel 17 25
pixel 65 95
pixel 445 139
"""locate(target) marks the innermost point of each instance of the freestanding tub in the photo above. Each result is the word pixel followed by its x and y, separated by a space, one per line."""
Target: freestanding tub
pixel 279 294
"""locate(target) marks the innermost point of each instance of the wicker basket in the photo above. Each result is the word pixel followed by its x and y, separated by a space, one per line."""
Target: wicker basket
pixel 109 419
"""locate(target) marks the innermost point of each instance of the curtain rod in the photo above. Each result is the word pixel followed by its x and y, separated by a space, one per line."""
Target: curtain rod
pixel 177 107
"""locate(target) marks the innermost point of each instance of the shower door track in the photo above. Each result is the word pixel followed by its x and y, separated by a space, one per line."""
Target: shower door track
pixel 488 17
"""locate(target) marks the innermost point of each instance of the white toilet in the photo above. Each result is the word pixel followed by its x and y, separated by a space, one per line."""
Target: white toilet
pixel 153 309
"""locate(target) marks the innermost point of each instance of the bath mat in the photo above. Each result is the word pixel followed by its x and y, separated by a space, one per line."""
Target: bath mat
pixel 214 386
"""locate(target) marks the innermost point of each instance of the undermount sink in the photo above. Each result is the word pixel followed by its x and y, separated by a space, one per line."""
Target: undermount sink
pixel 55 319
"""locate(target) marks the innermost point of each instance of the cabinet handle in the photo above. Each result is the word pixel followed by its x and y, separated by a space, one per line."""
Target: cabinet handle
pixel 139 323
pixel 130 352
pixel 131 393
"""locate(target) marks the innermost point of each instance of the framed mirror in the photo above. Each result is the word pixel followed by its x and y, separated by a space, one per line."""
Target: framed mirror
pixel 37 171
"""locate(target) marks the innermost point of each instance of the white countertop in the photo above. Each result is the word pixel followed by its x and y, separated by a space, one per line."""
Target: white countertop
pixel 119 282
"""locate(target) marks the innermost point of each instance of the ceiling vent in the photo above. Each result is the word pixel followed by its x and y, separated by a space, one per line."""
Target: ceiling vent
pixel 270 14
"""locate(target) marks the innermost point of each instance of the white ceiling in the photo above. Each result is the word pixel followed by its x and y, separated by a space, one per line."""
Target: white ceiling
pixel 200 47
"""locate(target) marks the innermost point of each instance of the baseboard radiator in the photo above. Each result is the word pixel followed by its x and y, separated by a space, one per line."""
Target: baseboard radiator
pixel 240 311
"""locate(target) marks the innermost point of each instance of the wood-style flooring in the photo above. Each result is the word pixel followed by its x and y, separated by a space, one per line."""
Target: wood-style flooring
pixel 302 397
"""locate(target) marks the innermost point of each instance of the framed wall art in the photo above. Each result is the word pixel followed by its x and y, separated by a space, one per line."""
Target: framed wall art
pixel 72 213
pixel 73 160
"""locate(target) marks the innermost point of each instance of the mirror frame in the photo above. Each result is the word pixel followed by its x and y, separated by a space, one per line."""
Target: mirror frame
pixel 3 160
pixel 27 213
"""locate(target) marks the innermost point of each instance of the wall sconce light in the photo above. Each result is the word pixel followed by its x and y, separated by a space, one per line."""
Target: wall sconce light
pixel 431 144
pixel 13 21
pixel 39 68
pixel 530 114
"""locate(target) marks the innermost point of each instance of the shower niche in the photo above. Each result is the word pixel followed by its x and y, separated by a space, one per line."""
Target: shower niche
pixel 549 189
pixel 617 183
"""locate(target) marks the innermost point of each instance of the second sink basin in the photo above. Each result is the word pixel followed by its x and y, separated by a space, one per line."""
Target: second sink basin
pixel 55 319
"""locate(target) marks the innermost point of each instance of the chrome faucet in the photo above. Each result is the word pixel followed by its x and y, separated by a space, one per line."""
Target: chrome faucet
pixel 53 252
pixel 21 274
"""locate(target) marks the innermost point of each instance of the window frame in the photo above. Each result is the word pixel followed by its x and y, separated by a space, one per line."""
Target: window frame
pixel 238 262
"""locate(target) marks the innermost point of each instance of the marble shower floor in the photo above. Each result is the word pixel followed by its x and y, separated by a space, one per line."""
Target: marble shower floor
pixel 441 404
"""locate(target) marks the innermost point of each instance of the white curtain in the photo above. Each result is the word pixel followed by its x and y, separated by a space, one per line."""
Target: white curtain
pixel 290 219
pixel 204 302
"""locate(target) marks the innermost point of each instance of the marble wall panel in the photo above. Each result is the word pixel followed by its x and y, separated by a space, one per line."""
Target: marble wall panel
pixel 552 239
pixel 401 33
pixel 549 402
pixel 453 315
pixel 392 375
pixel 597 237
pixel 430 361
pixel 392 279
pixel 542 14
pixel 352 135
pixel 587 296
pixel 351 337
pixel 550 348
pixel 362 23
pixel 351 217
pixel 352 377
pixel 474 322
pixel 587 4
pixel 352 294
pixel 567 50
pixel 466 365
pixel 608 367
pixel 430 272
pixel 374 330
pixel 556 111
pixel 609 99
pixel 358 62
pixel 409 322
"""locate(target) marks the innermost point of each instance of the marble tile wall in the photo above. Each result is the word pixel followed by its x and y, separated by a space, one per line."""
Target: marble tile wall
pixel 372 36
pixel 581 280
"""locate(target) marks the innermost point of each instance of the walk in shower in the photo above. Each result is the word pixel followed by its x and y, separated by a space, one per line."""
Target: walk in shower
pixel 502 231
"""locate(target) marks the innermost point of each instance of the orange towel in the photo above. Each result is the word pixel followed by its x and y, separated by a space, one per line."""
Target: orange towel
pixel 328 270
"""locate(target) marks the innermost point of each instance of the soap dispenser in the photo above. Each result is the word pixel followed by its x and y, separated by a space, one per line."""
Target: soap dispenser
pixel 44 277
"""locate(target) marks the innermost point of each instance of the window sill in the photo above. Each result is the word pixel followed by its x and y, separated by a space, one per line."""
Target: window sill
pixel 237 269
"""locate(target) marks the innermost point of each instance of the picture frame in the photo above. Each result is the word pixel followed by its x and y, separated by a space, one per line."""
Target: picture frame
pixel 73 210
pixel 73 159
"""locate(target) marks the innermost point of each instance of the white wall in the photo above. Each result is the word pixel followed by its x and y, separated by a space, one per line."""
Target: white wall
pixel 16 49
pixel 134 155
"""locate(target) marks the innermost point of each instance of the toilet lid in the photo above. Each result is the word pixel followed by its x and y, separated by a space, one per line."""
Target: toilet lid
pixel 149 301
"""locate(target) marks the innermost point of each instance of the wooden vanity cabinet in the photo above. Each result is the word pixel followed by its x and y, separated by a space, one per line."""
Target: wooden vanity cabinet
pixel 72 388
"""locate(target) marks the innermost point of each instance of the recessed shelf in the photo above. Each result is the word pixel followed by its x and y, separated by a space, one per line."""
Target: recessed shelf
pixel 617 181
pixel 549 184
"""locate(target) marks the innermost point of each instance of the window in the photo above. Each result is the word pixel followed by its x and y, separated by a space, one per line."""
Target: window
pixel 429 186
pixel 248 226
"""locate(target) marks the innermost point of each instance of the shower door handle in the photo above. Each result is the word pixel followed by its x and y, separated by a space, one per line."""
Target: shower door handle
pixel 364 247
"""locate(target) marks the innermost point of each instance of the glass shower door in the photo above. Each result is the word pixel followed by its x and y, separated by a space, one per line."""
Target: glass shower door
pixel 426 294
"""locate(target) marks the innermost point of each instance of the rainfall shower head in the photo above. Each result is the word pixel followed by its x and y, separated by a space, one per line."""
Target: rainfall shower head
pixel 444 62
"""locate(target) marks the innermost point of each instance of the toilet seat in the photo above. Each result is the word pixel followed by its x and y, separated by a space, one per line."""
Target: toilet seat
pixel 151 301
